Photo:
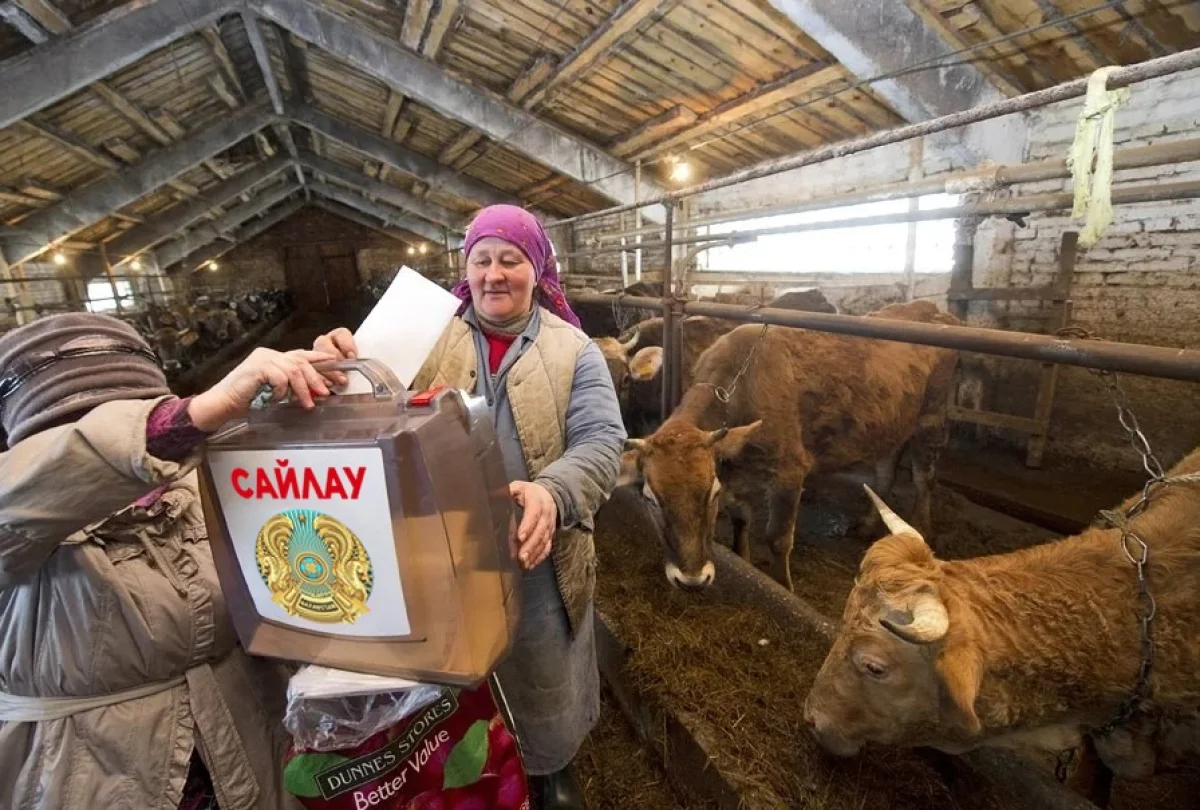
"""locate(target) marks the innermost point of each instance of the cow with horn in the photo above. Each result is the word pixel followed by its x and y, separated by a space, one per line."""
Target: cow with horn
pixel 1036 647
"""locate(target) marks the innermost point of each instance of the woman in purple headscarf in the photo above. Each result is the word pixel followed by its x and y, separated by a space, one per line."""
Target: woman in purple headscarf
pixel 517 343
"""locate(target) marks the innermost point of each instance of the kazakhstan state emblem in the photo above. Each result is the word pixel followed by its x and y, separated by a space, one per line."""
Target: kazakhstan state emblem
pixel 315 567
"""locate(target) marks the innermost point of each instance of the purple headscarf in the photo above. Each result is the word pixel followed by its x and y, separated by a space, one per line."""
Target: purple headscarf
pixel 520 228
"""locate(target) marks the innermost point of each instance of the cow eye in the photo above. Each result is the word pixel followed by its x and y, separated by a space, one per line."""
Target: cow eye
pixel 874 669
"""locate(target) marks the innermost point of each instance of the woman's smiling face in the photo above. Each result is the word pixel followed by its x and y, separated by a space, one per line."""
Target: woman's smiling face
pixel 501 278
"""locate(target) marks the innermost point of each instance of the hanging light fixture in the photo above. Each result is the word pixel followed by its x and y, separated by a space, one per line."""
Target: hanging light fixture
pixel 136 264
pixel 411 250
pixel 680 171
pixel 212 265
pixel 60 258
pixel 424 249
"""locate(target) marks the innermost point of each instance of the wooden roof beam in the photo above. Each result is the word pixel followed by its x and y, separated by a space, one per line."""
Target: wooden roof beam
pixel 862 36
pixel 386 213
pixel 269 219
pixel 55 69
pixel 654 130
pixel 377 56
pixel 953 31
pixel 25 25
pixel 57 24
pixel 69 142
pixel 263 56
pixel 1075 35
pixel 86 206
pixel 46 14
pixel 537 72
pixel 407 161
pixel 209 232
pixel 417 20
pixel 596 46
pixel 384 191
pixel 170 222
pixel 345 212
pixel 789 86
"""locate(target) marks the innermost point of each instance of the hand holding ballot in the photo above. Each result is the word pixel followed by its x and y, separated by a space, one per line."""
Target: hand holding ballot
pixel 283 371
pixel 339 344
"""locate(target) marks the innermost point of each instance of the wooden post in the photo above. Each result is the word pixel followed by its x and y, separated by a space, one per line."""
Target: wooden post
pixel 1048 379
pixel 670 366
pixel 916 159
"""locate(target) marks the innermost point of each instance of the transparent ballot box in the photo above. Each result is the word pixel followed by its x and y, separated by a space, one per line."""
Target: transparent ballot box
pixel 368 534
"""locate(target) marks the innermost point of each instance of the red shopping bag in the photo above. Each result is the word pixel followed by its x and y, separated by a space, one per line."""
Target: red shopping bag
pixel 456 753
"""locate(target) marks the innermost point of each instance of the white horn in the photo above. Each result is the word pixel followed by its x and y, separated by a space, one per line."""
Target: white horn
pixel 895 523
pixel 926 623
pixel 628 345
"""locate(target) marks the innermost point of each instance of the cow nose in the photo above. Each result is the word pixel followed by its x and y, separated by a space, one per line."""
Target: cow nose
pixel 689 582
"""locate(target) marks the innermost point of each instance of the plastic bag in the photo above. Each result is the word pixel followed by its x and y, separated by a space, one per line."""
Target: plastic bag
pixel 453 752
pixel 329 709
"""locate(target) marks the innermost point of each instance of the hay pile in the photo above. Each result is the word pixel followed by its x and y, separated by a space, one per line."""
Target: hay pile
pixel 616 772
pixel 708 660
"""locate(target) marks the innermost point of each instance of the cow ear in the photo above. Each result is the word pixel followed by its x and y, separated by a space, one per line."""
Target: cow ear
pixel 735 440
pixel 646 363
pixel 961 672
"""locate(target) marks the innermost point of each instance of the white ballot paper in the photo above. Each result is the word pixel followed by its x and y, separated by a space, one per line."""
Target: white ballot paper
pixel 402 329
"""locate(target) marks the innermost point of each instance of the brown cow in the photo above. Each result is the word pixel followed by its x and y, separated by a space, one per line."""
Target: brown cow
pixel 644 374
pixel 1035 647
pixel 616 355
pixel 807 402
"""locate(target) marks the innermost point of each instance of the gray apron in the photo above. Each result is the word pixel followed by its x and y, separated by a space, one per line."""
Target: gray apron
pixel 550 681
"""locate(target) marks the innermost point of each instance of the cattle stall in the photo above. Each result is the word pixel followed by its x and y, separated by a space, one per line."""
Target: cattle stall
pixel 666 652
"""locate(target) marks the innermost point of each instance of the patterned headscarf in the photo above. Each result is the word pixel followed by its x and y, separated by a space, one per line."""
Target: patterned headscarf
pixel 523 230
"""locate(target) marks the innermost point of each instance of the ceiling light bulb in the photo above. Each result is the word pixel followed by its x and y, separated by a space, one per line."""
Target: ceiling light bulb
pixel 680 171
pixel 411 251
pixel 60 258
pixel 213 266
pixel 424 248
pixel 136 264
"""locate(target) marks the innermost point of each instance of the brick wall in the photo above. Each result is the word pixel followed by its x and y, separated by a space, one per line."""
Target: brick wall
pixel 260 262
pixel 1140 283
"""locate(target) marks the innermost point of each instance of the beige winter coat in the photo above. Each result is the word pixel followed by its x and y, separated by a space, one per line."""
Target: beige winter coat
pixel 93 605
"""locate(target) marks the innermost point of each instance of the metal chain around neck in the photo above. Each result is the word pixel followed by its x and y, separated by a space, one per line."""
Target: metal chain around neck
pixel 1133 546
pixel 723 393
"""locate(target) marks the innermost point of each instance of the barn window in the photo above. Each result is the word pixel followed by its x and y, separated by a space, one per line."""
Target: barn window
pixel 100 295
pixel 860 249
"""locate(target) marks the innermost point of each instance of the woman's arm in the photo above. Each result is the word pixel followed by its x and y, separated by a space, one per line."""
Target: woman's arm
pixel 582 479
pixel 55 482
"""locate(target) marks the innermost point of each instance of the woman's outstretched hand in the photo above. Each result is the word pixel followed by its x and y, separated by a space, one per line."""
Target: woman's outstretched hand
pixel 536 531
pixel 283 371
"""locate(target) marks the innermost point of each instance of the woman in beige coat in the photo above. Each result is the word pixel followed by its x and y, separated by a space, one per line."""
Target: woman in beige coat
pixel 121 681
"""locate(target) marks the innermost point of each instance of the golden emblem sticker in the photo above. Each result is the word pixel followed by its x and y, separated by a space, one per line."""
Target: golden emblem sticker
pixel 314 566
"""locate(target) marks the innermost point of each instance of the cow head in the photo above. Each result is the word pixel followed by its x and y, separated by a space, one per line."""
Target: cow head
pixel 677 471
pixel 891 676
pixel 616 355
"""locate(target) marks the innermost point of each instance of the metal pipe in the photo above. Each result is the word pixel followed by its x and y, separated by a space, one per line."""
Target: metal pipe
pixel 1121 77
pixel 670 368
pixel 1132 358
pixel 1156 192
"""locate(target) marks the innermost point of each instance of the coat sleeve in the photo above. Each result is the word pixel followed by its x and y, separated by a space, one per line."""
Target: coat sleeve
pixel 583 478
pixel 61 480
